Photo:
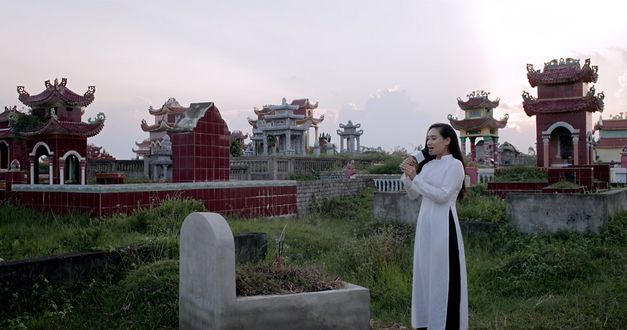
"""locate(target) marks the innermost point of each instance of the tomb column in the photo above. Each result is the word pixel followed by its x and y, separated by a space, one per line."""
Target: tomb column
pixel 304 143
pixel 61 171
pixel 545 150
pixel 265 144
pixel 463 145
pixel 473 155
pixel 32 172
pixel 486 149
pixel 341 144
pixel 495 150
pixel 50 172
pixel 575 149
pixel 288 142
pixel 83 175
pixel 358 146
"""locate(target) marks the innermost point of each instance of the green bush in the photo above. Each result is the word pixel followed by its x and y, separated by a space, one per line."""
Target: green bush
pixel 520 174
pixel 564 185
pixel 478 207
pixel 391 165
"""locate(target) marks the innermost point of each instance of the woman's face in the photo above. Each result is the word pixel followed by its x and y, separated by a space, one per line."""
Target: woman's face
pixel 438 146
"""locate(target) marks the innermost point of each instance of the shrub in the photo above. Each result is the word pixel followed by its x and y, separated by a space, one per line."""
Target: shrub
pixel 478 207
pixel 520 174
pixel 391 165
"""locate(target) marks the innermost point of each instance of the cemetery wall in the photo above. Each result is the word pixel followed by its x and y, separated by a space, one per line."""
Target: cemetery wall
pixel 311 193
pixel 243 198
pixel 558 212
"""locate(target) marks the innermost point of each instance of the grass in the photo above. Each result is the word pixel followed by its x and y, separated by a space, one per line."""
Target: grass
pixel 567 280
pixel 25 233
pixel 520 174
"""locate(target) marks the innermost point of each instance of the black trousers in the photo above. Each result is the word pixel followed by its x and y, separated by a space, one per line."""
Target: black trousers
pixel 454 280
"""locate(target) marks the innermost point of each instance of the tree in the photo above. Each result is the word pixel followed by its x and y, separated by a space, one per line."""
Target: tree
pixel 236 148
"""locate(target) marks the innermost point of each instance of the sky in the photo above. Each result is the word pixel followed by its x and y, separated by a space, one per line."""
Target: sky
pixel 395 67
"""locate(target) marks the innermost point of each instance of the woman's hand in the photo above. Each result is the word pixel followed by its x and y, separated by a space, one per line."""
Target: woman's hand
pixel 408 167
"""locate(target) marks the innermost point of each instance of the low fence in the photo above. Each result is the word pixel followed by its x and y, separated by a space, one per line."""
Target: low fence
pixel 388 183
pixel 241 168
pixel 132 169
pixel 282 168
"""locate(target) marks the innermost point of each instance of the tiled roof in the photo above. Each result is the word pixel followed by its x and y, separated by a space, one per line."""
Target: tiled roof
pixel 560 105
pixel 304 104
pixel 171 106
pixel 54 126
pixel 611 143
pixel 56 92
pixel 160 127
pixel 469 124
pixel 612 125
pixel 562 73
pixel 5 133
pixel 477 103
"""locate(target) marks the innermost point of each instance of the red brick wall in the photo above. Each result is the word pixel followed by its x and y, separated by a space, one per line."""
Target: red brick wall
pixel 241 201
pixel 202 155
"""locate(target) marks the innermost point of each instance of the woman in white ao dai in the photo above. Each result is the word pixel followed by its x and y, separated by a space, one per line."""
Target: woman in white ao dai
pixel 439 286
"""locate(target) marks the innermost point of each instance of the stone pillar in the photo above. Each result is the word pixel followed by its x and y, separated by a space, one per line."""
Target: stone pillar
pixel 305 137
pixel 265 144
pixel 473 151
pixel 165 172
pixel 358 146
pixel 545 150
pixel 495 150
pixel 341 144
pixel 32 172
pixel 623 157
pixel 83 175
pixel 486 150
pixel 575 149
pixel 61 173
pixel 50 171
pixel 463 145
pixel 288 142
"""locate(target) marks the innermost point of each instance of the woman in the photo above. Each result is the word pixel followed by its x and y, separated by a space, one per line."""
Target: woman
pixel 439 290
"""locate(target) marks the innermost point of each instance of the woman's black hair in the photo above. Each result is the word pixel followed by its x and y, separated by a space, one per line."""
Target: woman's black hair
pixel 446 131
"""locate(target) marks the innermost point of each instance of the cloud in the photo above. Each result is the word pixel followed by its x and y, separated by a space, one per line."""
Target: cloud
pixel 389 118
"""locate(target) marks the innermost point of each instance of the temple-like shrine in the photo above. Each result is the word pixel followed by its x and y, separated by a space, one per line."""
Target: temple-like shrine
pixel 563 110
pixel 350 133
pixel 51 140
pixel 479 123
pixel 164 120
pixel 284 128
pixel 612 138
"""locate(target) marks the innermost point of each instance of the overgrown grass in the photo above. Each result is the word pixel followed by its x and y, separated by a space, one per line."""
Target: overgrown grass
pixel 520 174
pixel 391 165
pixel 477 206
pixel 515 281
pixel 25 233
